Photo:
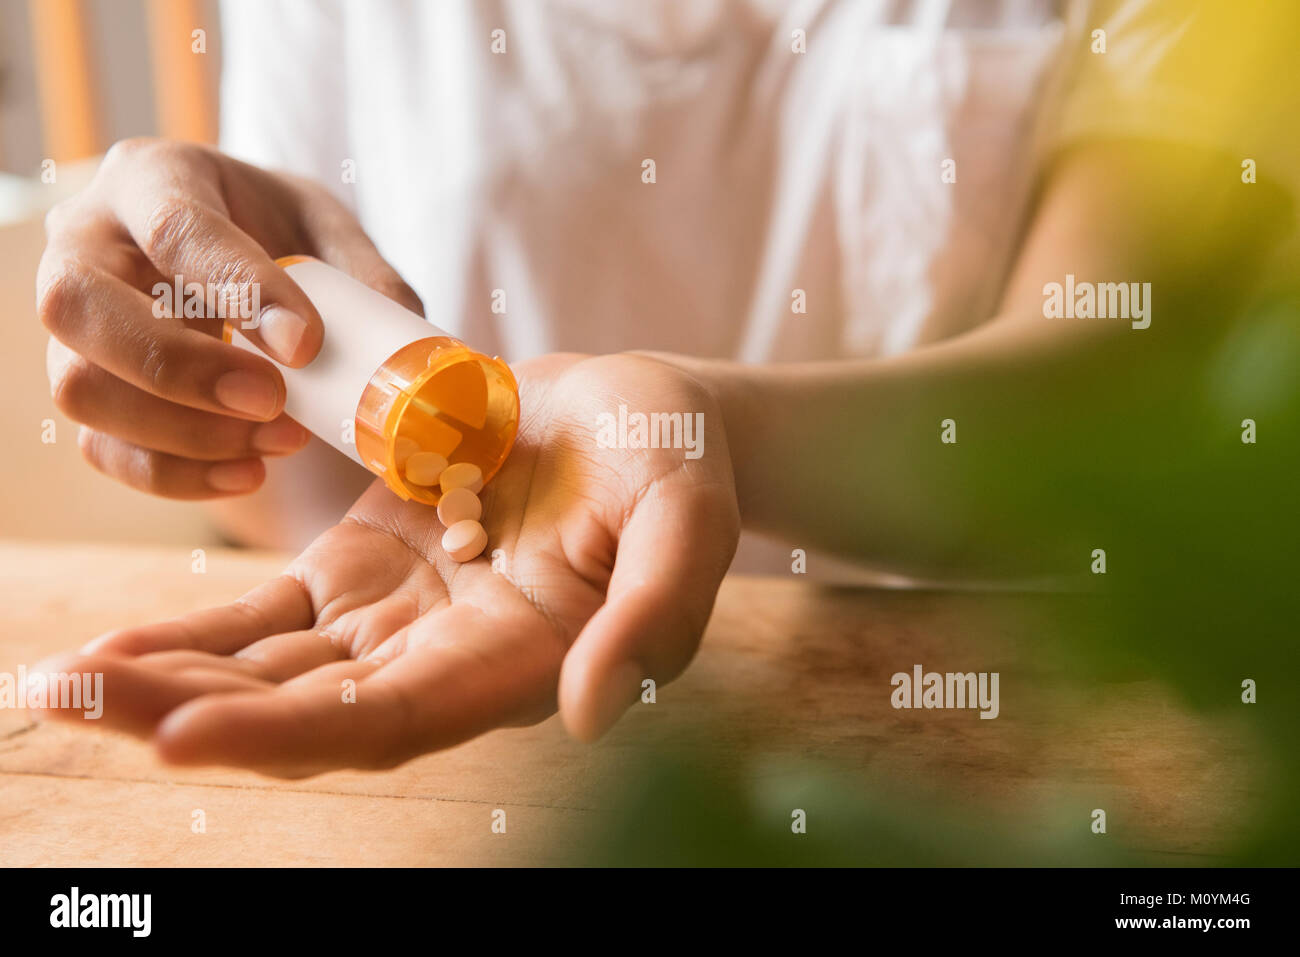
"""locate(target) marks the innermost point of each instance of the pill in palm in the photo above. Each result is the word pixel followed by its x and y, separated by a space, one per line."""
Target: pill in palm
pixel 462 475
pixel 459 505
pixel 464 541
pixel 403 449
pixel 424 468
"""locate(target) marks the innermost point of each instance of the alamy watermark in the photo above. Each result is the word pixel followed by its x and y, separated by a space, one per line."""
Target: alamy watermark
pixel 1107 300
pixel 75 909
pixel 655 430
pixel 931 689
pixel 195 300
pixel 40 690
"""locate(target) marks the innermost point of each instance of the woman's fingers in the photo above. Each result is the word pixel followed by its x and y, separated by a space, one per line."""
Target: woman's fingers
pixel 168 476
pixel 293 731
pixel 462 674
pixel 113 325
pixel 168 198
pixel 126 694
pixel 285 657
pixel 672 555
pixel 140 272
pixel 277 659
pixel 221 687
pixel 99 400
pixel 272 608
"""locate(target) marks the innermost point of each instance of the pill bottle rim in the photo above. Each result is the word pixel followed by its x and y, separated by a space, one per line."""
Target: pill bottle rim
pixel 444 352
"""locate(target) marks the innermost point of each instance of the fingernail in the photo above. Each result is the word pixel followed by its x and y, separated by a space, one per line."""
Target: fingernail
pixel 619 691
pixel 282 331
pixel 279 435
pixel 235 476
pixel 248 393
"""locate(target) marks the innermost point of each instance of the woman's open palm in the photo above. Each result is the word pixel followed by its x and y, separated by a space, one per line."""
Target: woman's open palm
pixel 374 647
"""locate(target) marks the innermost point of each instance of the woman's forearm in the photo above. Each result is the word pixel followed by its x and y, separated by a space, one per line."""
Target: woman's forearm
pixel 956 459
pixel 1017 447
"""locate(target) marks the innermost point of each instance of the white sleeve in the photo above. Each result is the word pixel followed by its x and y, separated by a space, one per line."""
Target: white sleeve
pixel 283 87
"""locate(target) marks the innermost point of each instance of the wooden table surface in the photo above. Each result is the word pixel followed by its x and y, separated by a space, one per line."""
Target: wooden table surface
pixel 790 676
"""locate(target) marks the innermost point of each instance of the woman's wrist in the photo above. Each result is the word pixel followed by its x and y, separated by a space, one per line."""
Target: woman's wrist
pixel 743 396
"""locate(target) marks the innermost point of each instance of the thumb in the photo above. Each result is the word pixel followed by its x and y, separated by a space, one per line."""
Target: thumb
pixel 672 554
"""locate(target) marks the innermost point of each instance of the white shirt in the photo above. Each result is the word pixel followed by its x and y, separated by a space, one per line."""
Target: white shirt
pixel 870 158
pixel 775 170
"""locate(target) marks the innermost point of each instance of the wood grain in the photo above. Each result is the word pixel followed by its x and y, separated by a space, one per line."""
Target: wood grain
pixel 791 676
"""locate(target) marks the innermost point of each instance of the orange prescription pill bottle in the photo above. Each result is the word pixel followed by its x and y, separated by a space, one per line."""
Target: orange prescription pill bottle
pixel 384 373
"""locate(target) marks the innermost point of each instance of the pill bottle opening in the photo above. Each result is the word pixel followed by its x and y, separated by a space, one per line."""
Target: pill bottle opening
pixel 445 397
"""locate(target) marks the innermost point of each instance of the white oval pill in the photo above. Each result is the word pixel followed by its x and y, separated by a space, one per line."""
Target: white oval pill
pixel 464 541
pixel 424 468
pixel 459 505
pixel 462 475
pixel 403 449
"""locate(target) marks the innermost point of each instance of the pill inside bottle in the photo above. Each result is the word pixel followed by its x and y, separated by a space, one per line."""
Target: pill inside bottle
pixel 424 469
pixel 388 388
